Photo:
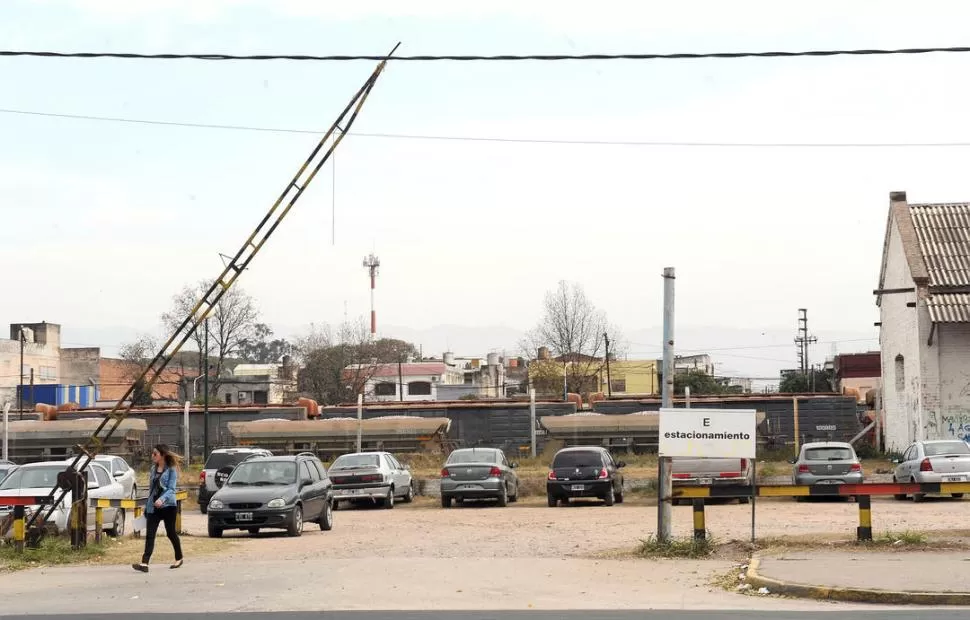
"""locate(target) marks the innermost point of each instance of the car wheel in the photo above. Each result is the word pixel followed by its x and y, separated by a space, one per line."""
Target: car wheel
pixel 203 508
pixel 553 502
pixel 253 531
pixel 389 500
pixel 134 491
pixel 445 502
pixel 956 495
pixel 917 497
pixel 619 498
pixel 610 496
pixel 503 497
pixel 899 496
pixel 744 500
pixel 409 496
pixel 295 527
pixel 118 526
pixel 215 532
pixel 326 519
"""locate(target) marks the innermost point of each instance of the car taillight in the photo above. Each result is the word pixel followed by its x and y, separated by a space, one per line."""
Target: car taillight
pixel 552 476
pixel 604 474
pixel 445 473
pixel 680 476
pixel 744 464
pixel 925 465
pixel 803 469
pixel 494 472
pixel 372 478
pixel 202 477
pixel 855 467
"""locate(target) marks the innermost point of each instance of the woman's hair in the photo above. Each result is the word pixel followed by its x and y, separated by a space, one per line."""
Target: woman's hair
pixel 171 459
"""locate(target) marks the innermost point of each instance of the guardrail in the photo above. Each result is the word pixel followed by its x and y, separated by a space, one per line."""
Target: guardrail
pixel 137 505
pixel 862 492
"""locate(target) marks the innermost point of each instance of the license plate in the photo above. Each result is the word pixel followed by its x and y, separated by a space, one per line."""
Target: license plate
pixel 705 481
pixel 470 487
pixel 577 487
pixel 244 516
pixel 829 482
pixel 954 478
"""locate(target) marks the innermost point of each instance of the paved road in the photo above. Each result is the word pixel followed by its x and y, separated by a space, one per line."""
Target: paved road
pixel 907 614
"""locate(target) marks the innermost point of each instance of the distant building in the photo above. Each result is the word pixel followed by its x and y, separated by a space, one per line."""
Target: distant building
pixel 630 377
pixel 259 384
pixel 410 381
pixel 694 363
pixel 860 372
pixel 924 315
pixel 42 357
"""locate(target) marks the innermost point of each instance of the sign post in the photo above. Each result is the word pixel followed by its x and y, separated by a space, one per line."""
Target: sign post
pixel 711 433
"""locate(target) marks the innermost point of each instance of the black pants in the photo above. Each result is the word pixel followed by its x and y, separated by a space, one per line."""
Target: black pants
pixel 159 515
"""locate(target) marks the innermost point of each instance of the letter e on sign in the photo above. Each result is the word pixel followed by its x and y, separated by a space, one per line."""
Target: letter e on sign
pixel 707 421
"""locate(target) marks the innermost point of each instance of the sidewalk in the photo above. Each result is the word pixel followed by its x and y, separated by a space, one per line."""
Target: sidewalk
pixel 928 578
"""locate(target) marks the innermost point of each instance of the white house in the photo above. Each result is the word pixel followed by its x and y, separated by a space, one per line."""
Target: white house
pixel 411 381
pixel 924 309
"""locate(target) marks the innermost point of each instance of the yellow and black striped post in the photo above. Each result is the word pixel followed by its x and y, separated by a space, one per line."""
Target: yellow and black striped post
pixel 19 531
pixel 700 528
pixel 864 531
pixel 98 523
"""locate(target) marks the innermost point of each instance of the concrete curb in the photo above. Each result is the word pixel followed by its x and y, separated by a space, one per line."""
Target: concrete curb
pixel 851 595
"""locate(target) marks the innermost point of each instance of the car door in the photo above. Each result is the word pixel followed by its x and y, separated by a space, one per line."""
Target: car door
pixel 393 471
pixel 403 477
pixel 508 474
pixel 613 471
pixel 310 491
pixel 123 474
pixel 902 469
pixel 326 486
pixel 100 487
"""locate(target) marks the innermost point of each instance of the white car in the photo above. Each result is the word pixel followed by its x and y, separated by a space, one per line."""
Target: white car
pixel 119 469
pixel 37 479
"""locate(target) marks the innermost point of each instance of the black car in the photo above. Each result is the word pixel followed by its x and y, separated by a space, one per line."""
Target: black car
pixel 585 472
pixel 273 492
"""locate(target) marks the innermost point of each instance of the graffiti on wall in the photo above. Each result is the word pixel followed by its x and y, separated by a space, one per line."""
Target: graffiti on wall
pixel 956 426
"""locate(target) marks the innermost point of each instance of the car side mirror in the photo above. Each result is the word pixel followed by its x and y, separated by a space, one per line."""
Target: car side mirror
pixel 513 465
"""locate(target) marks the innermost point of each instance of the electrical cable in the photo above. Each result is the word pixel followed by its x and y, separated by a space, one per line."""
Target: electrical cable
pixel 496 139
pixel 493 57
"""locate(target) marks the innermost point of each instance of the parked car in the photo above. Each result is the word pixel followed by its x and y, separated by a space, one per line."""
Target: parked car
pixel 478 473
pixel 827 462
pixel 218 467
pixel 38 479
pixel 584 472
pixel 371 477
pixel 273 492
pixel 120 471
pixel 5 468
pixel 688 471
pixel 938 461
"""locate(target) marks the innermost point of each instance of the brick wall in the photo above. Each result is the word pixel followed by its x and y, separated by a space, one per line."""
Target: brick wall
pixel 117 375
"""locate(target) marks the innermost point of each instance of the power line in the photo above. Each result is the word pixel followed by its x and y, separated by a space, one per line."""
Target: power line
pixel 494 57
pixel 496 139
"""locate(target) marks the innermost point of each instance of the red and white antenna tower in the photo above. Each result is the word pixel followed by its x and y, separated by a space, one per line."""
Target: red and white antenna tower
pixel 372 263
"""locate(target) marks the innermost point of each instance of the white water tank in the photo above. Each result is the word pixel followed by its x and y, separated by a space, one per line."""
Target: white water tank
pixel 492 359
pixel 449 358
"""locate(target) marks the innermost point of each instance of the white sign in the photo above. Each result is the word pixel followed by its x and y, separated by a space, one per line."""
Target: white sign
pixel 708 433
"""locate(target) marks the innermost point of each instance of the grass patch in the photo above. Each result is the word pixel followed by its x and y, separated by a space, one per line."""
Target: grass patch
pixel 895 539
pixel 689 548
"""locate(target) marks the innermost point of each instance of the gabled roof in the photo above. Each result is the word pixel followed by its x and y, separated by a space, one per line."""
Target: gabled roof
pixel 936 243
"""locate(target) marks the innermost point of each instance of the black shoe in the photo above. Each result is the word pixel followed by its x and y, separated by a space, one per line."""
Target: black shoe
pixel 142 568
pixel 178 564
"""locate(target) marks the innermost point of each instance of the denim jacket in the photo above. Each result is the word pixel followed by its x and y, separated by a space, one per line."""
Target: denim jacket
pixel 168 481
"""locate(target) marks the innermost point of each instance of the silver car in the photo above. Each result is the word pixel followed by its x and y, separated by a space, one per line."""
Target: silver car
pixel 929 462
pixel 372 477
pixel 119 469
pixel 827 462
pixel 478 473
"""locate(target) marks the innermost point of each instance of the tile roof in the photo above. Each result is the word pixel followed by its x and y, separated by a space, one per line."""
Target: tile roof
pixel 949 307
pixel 943 233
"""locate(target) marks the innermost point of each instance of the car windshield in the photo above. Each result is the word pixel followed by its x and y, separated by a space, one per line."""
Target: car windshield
pixel 829 454
pixel 577 459
pixel 218 460
pixel 472 456
pixel 353 461
pixel 263 473
pixel 946 447
pixel 32 477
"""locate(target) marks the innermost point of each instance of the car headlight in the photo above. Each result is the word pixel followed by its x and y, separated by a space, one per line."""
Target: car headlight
pixel 276 503
pixel 216 504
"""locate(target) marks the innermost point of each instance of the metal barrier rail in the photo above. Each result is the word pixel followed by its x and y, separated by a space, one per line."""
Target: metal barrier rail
pixel 20 505
pixel 862 492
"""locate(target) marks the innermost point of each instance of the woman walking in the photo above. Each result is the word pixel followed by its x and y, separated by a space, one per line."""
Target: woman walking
pixel 161 506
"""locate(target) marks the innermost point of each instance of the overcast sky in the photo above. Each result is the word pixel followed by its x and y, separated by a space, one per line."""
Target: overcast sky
pixel 103 221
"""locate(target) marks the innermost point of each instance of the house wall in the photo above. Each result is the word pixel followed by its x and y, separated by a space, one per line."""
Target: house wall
pixel 952 344
pixel 432 379
pixel 861 385
pixel 639 376
pixel 80 366
pixel 116 376
pixel 899 335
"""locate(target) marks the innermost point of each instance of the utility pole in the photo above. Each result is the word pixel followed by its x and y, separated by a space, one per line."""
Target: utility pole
pixel 400 379
pixel 609 380
pixel 372 263
pixel 802 340
pixel 20 392
pixel 205 396
pixel 665 481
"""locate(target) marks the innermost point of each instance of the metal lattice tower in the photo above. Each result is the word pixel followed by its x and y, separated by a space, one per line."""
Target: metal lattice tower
pixel 372 263
pixel 803 340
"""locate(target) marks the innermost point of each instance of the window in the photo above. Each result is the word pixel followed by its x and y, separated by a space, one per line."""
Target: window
pixel 473 455
pixel 305 474
pixel 313 471
pixel 419 388
pixel 228 398
pixel 353 461
pixel 946 447
pixel 829 454
pixel 900 373
pixel 320 469
pixel 578 458
pixel 263 472
pixel 102 476
pixel 385 388
pixel 618 385
pixel 48 372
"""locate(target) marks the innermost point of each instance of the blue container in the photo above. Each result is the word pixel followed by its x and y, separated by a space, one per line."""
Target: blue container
pixel 54 394
pixel 47 394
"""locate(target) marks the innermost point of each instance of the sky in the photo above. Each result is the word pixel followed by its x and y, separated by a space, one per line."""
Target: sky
pixel 105 221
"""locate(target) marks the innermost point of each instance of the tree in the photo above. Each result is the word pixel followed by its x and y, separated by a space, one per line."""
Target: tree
pixel 701 384
pixel 141 396
pixel 136 356
pixel 260 349
pixel 817 380
pixel 574 330
pixel 232 322
pixel 337 364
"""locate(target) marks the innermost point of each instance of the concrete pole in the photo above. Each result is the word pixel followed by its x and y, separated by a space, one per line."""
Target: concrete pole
pixel 185 434
pixel 532 421
pixel 6 432
pixel 687 396
pixel 664 479
pixel 360 421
